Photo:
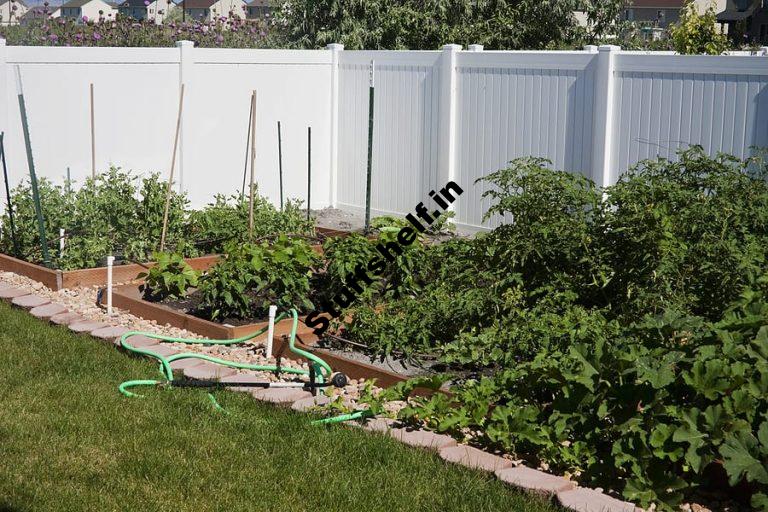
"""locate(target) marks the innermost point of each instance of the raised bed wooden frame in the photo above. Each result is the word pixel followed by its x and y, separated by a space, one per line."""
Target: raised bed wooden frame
pixel 61 279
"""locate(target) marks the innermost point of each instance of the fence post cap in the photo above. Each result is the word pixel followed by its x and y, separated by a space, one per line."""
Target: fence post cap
pixel 452 47
pixel 763 49
pixel 184 44
pixel 334 46
pixel 608 48
pixel 590 48
pixel 2 41
pixel 475 47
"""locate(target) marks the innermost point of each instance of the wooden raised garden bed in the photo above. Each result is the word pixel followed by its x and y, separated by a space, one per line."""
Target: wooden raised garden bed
pixel 61 279
pixel 129 298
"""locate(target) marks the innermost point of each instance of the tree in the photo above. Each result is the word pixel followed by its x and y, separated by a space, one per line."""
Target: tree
pixel 428 24
pixel 697 33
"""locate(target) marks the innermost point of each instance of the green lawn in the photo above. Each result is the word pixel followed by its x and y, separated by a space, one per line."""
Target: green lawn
pixel 70 441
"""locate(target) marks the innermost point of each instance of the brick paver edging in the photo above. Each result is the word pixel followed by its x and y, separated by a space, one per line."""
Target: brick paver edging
pixel 578 499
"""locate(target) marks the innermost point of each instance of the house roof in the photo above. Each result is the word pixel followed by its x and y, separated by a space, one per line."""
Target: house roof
pixel 40 11
pixel 75 3
pixel 735 14
pixel 134 3
pixel 259 3
pixel 197 4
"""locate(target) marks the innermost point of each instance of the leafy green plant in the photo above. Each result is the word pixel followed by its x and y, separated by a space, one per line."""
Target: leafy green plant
pixel 251 277
pixel 227 218
pixel 170 277
pixel 696 34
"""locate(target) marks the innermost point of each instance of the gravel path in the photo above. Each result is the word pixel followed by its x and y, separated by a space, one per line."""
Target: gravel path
pixel 83 302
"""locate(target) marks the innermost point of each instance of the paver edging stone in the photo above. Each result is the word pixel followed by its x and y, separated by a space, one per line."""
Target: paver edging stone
pixel 46 311
pixel 11 292
pixel 30 301
pixel 535 481
pixel 583 499
pixel 475 458
pixel 86 327
pixel 422 438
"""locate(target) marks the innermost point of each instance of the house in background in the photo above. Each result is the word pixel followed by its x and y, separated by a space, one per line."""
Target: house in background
pixel 663 13
pixel 11 11
pixel 206 10
pixel 145 9
pixel 39 12
pixel 90 9
pixel 259 9
pixel 747 20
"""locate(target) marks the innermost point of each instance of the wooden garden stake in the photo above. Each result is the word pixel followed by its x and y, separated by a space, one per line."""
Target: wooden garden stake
pixel 253 163
pixel 173 166
pixel 93 138
pixel 247 149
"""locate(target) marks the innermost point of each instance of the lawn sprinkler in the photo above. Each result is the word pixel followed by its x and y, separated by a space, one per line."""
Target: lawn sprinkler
pixel 318 376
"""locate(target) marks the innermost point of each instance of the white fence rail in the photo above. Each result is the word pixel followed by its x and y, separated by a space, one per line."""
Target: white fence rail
pixel 439 115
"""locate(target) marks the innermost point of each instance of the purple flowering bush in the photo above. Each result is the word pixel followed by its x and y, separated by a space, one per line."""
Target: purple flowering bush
pixel 223 32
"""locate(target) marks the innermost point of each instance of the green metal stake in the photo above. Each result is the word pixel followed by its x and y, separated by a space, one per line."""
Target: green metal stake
pixel 309 168
pixel 280 162
pixel 8 197
pixel 370 151
pixel 32 175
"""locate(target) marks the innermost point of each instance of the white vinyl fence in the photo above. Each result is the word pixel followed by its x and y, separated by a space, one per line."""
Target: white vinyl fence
pixel 439 115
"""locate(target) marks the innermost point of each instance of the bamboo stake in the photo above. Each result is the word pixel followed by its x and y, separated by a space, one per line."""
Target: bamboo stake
pixel 253 163
pixel 173 166
pixel 93 138
pixel 247 150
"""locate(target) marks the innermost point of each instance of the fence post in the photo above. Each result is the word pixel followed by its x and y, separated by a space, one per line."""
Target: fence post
pixel 603 120
pixel 764 50
pixel 446 158
pixel 475 48
pixel 336 50
pixel 186 61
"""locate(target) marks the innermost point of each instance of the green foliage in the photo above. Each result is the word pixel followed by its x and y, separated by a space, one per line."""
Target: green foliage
pixel 419 25
pixel 116 213
pixel 170 277
pixel 111 215
pixel 618 334
pixel 251 277
pixel 226 220
pixel 697 34
pixel 57 205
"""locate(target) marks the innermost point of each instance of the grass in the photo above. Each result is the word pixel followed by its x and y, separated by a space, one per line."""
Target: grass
pixel 70 441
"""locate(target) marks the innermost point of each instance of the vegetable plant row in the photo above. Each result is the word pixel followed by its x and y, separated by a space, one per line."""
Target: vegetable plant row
pixel 618 335
pixel 118 213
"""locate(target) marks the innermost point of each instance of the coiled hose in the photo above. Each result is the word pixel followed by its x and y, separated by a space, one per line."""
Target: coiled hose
pixel 321 369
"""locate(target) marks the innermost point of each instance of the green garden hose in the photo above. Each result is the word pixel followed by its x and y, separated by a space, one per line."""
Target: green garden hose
pixel 321 369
